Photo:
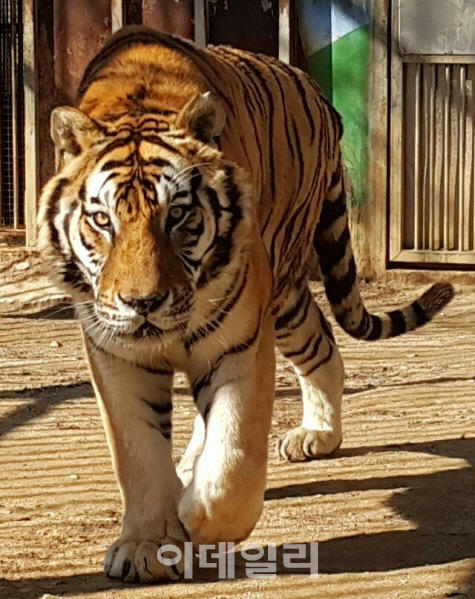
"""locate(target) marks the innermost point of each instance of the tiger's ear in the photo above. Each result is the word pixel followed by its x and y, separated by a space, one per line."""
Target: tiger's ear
pixel 72 131
pixel 204 117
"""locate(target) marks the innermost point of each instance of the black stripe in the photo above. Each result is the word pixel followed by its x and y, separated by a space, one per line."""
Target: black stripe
pixel 113 164
pixel 321 363
pixel 53 210
pixel 222 311
pixel 299 351
pixel 301 90
pixel 313 353
pixel 285 118
pixel 158 162
pixel 150 370
pixel 205 380
pixel 162 430
pixel 337 176
pixel 361 329
pixel 301 161
pixel 248 60
pixel 206 413
pixel 376 328
pixel 89 247
pixel 292 234
pixel 398 324
pixel 159 408
pixel 198 386
pixel 120 142
pixel 338 289
pixel 331 211
pixel 332 253
pixel 303 317
pixel 224 245
pixel 82 192
pixel 286 318
pixel 251 84
pixel 325 326
pixel 240 347
pixel 73 276
pixel 421 316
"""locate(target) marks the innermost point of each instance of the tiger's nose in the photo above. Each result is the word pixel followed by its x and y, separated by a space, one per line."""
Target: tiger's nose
pixel 145 305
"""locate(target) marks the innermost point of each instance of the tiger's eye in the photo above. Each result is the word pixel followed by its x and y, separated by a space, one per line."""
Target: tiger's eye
pixel 176 212
pixel 101 219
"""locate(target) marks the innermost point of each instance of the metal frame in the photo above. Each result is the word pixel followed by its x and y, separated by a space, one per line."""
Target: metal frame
pixel 117 14
pixel 30 87
pixel 286 27
pixel 397 253
pixel 201 22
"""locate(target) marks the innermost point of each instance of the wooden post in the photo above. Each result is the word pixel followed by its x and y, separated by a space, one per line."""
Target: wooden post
pixel 31 120
pixel 117 15
pixel 369 222
pixel 286 31
pixel 201 22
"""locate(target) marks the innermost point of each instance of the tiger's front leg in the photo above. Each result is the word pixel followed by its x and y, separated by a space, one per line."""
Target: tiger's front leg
pixel 136 409
pixel 225 496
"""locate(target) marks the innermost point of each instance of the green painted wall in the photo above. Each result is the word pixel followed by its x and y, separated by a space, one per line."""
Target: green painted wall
pixel 350 97
pixel 341 68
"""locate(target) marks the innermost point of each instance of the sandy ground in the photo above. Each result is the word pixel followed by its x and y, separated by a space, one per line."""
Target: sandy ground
pixel 392 510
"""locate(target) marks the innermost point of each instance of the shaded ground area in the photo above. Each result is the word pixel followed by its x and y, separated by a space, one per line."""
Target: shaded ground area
pixel 393 510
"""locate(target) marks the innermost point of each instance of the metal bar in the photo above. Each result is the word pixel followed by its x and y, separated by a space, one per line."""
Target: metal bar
pixel 117 15
pixel 431 200
pixel 285 32
pixel 31 120
pixel 417 135
pixel 438 166
pixel 469 155
pixel 461 156
pixel 470 220
pixel 14 83
pixel 439 58
pixel 1 153
pixel 201 22
pixel 446 80
pixel 441 257
pixel 453 101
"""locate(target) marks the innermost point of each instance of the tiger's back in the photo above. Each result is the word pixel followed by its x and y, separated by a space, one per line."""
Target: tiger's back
pixel 279 127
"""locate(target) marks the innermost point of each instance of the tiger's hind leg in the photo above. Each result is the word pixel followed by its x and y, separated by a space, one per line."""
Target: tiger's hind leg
pixel 304 336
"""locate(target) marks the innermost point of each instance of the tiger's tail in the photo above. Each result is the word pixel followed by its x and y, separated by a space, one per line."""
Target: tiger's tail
pixel 337 265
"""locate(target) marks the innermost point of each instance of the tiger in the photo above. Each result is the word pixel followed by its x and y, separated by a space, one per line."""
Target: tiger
pixel 194 187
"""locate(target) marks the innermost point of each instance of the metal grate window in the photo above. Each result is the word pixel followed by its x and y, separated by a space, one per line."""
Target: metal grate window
pixel 12 168
pixel 439 157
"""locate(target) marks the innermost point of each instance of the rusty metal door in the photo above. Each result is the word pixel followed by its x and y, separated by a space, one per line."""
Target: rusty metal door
pixel 11 120
pixel 44 48
pixel 432 178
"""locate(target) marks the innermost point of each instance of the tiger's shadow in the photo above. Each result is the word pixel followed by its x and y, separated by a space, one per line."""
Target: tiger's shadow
pixel 440 505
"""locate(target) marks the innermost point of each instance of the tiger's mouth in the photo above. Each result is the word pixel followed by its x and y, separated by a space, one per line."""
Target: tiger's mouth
pixel 105 327
pixel 147 329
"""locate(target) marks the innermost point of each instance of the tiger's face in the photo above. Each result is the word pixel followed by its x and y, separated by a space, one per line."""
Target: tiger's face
pixel 139 225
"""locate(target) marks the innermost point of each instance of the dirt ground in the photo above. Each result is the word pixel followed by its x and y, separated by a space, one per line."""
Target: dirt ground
pixel 392 511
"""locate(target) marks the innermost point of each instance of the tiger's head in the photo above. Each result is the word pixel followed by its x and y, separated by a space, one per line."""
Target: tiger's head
pixel 140 222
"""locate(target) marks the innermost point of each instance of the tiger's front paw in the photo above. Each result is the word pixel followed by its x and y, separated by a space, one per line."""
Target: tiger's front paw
pixel 302 444
pixel 134 556
pixel 138 561
pixel 215 517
